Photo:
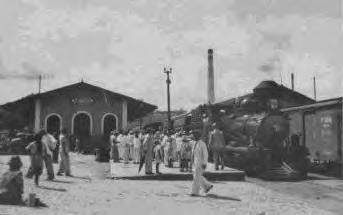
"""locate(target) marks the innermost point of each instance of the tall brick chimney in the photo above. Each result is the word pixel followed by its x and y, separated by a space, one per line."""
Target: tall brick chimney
pixel 210 78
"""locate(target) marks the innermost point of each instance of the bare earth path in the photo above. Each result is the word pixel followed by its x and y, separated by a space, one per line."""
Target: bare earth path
pixel 89 192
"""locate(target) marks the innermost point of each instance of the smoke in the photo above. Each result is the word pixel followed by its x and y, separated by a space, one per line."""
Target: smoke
pixel 267 68
pixel 275 44
pixel 30 72
pixel 272 65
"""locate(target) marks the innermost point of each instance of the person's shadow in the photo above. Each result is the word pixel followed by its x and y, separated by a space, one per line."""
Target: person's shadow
pixel 62 182
pixel 81 178
pixel 52 188
pixel 215 196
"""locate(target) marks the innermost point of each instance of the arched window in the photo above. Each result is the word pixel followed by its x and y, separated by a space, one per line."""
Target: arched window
pixel 109 123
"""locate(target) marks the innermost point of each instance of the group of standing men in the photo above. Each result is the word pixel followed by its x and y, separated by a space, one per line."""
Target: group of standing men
pixel 42 151
pixel 151 145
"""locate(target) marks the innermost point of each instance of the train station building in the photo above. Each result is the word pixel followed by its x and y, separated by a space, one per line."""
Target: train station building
pixel 83 109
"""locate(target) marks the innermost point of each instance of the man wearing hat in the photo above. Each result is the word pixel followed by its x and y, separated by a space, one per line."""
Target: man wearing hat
pixel 131 136
pixel 49 144
pixel 217 145
pixel 148 145
pixel 114 154
pixel 185 153
pixel 199 159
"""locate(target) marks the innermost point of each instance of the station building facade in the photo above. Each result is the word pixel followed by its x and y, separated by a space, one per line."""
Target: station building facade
pixel 87 111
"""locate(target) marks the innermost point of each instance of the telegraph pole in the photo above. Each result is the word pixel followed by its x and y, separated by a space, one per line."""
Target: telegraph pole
pixel 314 88
pixel 168 72
pixel 39 83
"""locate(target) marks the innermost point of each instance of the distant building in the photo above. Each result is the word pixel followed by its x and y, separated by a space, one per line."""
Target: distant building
pixel 155 120
pixel 83 109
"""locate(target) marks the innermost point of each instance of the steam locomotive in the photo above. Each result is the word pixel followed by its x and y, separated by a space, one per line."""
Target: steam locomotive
pixel 261 145
pixel 258 138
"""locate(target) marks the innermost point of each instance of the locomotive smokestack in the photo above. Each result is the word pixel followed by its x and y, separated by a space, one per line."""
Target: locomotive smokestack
pixel 292 79
pixel 210 80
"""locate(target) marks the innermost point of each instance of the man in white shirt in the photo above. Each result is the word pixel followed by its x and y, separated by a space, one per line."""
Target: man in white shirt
pixel 114 156
pixel 131 147
pixel 126 147
pixel 199 159
pixel 49 144
pixel 120 141
pixel 64 152
pixel 179 142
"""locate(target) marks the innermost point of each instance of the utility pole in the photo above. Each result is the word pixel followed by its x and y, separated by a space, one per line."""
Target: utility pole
pixel 314 88
pixel 168 72
pixel 39 83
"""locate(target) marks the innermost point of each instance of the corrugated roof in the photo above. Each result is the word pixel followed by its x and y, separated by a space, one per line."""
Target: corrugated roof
pixel 319 104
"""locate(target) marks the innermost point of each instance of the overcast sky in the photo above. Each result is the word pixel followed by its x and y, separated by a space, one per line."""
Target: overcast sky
pixel 123 45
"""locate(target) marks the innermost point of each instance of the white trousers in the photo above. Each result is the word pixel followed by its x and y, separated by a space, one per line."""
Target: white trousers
pixel 199 181
pixel 137 155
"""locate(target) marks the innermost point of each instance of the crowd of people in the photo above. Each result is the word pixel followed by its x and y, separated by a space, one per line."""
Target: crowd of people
pixel 185 148
pixel 182 147
pixel 164 147
pixel 146 146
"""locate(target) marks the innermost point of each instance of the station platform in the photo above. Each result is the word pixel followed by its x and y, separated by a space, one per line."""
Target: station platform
pixel 130 172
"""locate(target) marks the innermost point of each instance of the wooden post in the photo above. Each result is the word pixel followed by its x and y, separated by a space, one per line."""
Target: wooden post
pixel 341 139
pixel 314 89
pixel 39 83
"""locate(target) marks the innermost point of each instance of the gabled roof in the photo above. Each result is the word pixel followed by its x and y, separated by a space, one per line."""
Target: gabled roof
pixel 136 108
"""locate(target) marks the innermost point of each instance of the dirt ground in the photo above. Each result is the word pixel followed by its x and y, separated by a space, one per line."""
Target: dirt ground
pixel 90 192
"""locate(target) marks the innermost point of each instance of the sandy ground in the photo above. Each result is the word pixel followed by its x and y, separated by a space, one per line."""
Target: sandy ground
pixel 89 192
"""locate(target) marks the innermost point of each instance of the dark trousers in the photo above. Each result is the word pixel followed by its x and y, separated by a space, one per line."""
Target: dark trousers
pixel 218 158
pixel 55 154
pixel 157 167
pixel 170 163
pixel 49 167
pixel 185 165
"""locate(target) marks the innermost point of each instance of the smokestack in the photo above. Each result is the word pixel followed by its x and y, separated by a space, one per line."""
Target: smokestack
pixel 210 83
pixel 292 79
pixel 314 88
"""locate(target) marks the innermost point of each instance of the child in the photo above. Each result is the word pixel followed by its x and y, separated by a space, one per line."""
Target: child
pixel 36 151
pixel 12 183
pixel 158 155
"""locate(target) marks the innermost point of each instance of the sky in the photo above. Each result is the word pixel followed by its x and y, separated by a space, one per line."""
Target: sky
pixel 123 46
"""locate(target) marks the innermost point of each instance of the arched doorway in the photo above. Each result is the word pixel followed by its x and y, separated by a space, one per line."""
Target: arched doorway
pixel 109 123
pixel 53 123
pixel 82 128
